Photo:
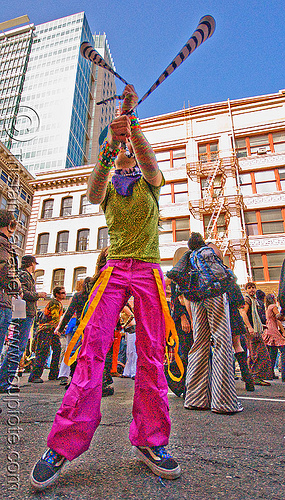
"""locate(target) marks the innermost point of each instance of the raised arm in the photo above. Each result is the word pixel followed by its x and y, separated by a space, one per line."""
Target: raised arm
pixel 98 180
pixel 143 151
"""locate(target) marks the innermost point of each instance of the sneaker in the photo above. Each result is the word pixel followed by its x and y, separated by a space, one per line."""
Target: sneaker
pixel 36 380
pixel 158 460
pixel 63 381
pixel 47 469
pixel 262 382
pixel 107 391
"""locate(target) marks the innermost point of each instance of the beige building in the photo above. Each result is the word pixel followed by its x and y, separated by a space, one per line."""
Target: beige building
pixel 224 166
pixel 16 194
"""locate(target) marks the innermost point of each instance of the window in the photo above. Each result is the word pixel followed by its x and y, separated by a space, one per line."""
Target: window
pixel 208 152
pixel 251 225
pixel 272 221
pixel 47 209
pixel 264 222
pixel 66 206
pixel 174 192
pixel 23 219
pixel 42 246
pixel 267 266
pixel 175 158
pixel 39 278
pixel 171 230
pixel 3 204
pixel 211 187
pixel 279 142
pixel 260 144
pixel 263 181
pixel 245 181
pixel 84 203
pixel 19 240
pixel 58 278
pixel 165 195
pixel 82 240
pixel 103 238
pixel 180 192
pixel 79 274
pixel 219 229
pixel 62 242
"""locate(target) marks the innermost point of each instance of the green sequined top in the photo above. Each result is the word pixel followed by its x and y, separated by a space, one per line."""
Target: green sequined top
pixel 133 222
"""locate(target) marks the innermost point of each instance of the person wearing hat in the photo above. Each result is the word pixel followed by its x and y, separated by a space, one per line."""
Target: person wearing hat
pixel 21 334
pixel 9 284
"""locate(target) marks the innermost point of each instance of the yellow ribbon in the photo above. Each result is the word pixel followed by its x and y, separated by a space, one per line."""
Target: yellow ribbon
pixel 102 282
pixel 170 330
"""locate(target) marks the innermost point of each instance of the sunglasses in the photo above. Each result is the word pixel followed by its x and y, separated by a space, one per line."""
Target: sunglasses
pixel 250 286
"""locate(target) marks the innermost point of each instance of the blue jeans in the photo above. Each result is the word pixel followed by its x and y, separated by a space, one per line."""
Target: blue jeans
pixel 15 351
pixel 5 320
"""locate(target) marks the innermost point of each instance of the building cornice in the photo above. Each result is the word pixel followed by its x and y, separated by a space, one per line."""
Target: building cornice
pixel 12 164
pixel 75 176
pixel 213 109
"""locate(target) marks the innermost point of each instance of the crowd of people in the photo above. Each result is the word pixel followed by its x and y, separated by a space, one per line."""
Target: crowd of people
pixel 115 323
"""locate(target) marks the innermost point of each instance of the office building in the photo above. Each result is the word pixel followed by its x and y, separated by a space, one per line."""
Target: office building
pixel 48 93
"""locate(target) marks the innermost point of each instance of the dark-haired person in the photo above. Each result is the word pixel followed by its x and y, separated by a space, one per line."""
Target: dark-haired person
pixel 259 359
pixel 130 204
pixel 8 272
pixel 274 335
pixel 23 326
pixel 46 338
pixel 210 386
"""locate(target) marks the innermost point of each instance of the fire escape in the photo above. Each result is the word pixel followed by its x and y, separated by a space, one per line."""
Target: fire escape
pixel 215 207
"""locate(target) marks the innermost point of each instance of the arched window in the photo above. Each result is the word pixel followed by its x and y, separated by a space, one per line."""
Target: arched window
pixel 42 246
pixel 79 274
pixel 103 238
pixel 82 240
pixel 66 206
pixel 39 278
pixel 62 242
pixel 47 209
pixel 58 278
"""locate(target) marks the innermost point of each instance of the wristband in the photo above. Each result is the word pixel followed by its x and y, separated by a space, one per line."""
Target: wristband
pixel 107 155
pixel 135 124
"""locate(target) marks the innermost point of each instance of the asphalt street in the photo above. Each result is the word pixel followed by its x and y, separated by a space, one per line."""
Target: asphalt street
pixel 238 457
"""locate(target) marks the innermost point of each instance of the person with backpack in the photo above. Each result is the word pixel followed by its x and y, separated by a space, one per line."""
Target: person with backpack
pixel 210 383
pixel 130 204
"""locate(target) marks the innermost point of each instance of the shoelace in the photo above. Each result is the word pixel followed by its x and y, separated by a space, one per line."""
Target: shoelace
pixel 52 457
pixel 161 452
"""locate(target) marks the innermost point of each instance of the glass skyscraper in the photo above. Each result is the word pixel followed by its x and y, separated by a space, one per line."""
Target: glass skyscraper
pixel 48 93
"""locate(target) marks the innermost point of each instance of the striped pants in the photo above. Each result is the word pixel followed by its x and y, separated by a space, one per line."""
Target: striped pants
pixel 210 379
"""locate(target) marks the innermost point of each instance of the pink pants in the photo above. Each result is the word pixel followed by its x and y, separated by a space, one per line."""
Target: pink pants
pixel 79 414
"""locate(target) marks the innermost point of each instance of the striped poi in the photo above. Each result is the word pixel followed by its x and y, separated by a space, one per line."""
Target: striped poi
pixel 204 30
pixel 87 51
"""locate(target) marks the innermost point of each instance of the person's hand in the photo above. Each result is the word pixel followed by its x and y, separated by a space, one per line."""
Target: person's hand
pixel 42 295
pixel 250 331
pixel 120 129
pixel 130 98
pixel 185 325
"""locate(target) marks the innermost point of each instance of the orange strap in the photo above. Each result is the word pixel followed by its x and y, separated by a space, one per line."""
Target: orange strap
pixel 170 330
pixel 102 282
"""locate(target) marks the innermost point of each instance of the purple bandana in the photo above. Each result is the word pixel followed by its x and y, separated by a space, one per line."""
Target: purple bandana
pixel 124 181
